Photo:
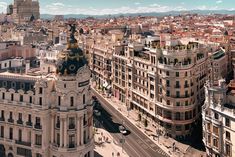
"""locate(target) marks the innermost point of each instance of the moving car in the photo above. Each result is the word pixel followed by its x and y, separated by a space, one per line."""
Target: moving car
pixel 122 129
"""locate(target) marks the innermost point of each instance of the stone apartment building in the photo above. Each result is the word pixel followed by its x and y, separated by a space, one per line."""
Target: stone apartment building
pixel 218 119
pixel 48 114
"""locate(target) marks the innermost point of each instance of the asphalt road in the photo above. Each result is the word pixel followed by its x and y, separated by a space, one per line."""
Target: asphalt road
pixel 136 143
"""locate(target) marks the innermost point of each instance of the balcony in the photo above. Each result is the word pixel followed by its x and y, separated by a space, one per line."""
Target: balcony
pixel 20 122
pixel 23 143
pixel 71 145
pixel 177 86
pixel 186 85
pixel 37 126
pixel 71 126
pixel 10 120
pixel 29 123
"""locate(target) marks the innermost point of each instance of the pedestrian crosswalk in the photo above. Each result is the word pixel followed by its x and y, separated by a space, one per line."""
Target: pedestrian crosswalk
pixel 143 143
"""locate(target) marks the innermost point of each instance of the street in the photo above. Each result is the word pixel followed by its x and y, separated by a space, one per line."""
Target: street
pixel 136 143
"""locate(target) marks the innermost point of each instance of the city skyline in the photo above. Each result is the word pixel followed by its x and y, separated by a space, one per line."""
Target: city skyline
pixel 129 6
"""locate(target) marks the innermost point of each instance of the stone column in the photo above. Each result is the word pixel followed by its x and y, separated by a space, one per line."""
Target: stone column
pixel 81 129
pixel 52 128
pixel 61 132
pixel 65 132
pixel 78 132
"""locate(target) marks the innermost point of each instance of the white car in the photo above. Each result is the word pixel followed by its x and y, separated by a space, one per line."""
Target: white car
pixel 122 129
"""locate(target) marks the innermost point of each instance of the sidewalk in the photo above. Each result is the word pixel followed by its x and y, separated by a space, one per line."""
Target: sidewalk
pixel 105 146
pixel 165 143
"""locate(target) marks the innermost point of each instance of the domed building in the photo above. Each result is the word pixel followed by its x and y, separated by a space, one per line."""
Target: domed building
pixel 48 114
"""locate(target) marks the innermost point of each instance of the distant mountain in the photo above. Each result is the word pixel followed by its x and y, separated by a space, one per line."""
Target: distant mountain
pixel 201 12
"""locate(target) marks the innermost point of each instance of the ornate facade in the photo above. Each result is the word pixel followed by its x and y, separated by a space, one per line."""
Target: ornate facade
pixel 218 119
pixel 49 114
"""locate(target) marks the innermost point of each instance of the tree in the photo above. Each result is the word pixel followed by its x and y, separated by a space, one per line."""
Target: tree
pixel 145 123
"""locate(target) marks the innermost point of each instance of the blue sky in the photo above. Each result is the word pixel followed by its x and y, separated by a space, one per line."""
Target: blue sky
pixel 98 7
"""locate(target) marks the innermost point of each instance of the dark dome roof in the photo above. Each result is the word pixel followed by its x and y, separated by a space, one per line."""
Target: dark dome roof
pixel 72 59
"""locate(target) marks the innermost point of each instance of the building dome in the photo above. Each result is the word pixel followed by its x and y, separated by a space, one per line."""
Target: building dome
pixel 72 59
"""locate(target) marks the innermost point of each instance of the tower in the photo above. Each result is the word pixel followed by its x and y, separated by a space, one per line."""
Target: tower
pixel 73 133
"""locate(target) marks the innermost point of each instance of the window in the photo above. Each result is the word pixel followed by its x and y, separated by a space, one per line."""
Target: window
pixel 177 74
pixel 40 90
pixel 71 123
pixel 3 95
pixel 177 84
pixel 167 83
pixel 209 138
pixel 23 152
pixel 167 73
pixel 84 99
pixel 29 118
pixel 38 121
pixel 20 135
pixel 227 122
pixel 38 139
pixel 178 128
pixel 65 86
pixel 10 115
pixel 168 102
pixel 167 93
pixel 177 103
pixel 20 116
pixel 2 114
pixel 186 103
pixel 71 141
pixel 215 142
pixel 59 100
pixel 216 115
pixel 215 130
pixel 30 99
pixel 11 133
pixel 40 100
pixel 177 116
pixel 38 155
pixel 58 139
pixel 228 149
pixel 228 135
pixel 177 94
pixel 12 97
pixel 187 127
pixel 72 101
pixel 208 126
pixel 2 132
pixel 21 98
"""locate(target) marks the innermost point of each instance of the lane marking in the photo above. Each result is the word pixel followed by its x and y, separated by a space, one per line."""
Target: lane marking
pixel 108 106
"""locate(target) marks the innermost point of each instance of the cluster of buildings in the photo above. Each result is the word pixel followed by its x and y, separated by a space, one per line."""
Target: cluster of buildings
pixel 159 68
pixel 175 71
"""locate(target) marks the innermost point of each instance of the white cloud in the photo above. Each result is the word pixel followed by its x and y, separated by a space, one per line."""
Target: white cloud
pixel 137 3
pixel 154 5
pixel 219 1
pixel 3 7
pixel 58 4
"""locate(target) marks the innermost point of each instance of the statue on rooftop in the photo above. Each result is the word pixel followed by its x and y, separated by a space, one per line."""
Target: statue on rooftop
pixel 72 28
